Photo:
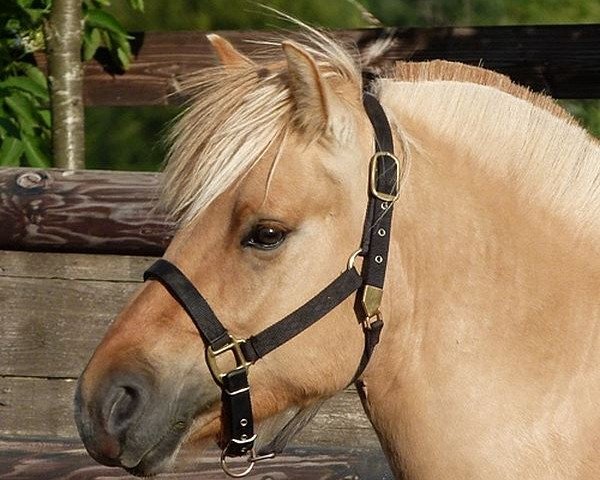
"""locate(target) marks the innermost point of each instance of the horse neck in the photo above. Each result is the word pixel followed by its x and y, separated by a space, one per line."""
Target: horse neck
pixel 485 276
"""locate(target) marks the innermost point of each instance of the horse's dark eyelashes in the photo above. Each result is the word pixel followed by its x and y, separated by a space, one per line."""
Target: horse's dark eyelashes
pixel 265 236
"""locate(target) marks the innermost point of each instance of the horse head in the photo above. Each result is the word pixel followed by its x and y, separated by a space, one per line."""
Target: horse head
pixel 267 176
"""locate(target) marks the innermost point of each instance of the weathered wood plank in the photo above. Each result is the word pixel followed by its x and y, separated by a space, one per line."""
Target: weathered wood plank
pixel 341 421
pixel 73 266
pixel 54 461
pixel 562 60
pixel 49 328
pixel 38 407
pixel 81 211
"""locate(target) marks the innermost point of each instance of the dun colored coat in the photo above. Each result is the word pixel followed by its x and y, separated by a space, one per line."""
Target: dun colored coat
pixel 489 362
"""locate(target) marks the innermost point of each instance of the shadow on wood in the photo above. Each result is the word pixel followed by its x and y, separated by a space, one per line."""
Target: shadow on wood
pixel 53 461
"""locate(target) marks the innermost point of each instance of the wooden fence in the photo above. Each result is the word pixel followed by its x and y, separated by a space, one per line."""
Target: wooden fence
pixel 73 245
pixel 562 60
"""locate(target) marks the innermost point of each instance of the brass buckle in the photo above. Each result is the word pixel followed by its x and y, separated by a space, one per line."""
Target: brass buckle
pixel 235 347
pixel 367 323
pixel 384 196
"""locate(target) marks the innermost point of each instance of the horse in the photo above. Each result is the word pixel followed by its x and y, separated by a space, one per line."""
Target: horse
pixel 487 366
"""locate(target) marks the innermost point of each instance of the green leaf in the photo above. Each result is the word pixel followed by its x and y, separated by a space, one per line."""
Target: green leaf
pixel 121 42
pixel 137 5
pixel 24 110
pixel 34 152
pixel 25 3
pixel 91 41
pixel 27 85
pixel 46 117
pixel 106 38
pixel 124 58
pixel 101 19
pixel 10 152
pixel 36 14
pixel 36 75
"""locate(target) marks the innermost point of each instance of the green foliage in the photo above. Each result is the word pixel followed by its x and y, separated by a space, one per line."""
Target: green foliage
pixel 102 29
pixel 237 14
pixel 24 101
pixel 25 121
pixel 587 112
pixel 124 138
pixel 482 12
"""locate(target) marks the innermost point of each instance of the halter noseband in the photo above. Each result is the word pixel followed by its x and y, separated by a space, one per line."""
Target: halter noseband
pixel 238 427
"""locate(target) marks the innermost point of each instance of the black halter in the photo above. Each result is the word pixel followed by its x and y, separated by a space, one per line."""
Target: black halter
pixel 238 430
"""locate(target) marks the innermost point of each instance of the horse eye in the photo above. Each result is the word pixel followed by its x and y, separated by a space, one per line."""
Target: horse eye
pixel 265 237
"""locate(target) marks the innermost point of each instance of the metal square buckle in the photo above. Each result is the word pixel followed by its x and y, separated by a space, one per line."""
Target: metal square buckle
pixel 384 196
pixel 235 347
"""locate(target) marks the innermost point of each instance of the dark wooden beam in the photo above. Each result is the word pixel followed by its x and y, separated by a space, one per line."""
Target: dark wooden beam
pixel 81 211
pixel 561 60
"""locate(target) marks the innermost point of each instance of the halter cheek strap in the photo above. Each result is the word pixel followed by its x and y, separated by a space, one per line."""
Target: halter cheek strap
pixel 237 436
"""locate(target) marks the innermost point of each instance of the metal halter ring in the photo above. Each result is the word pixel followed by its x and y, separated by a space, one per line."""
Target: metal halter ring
pixel 252 459
pixel 352 258
pixel 240 474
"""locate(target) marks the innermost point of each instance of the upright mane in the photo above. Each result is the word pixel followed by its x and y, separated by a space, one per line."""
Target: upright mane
pixel 523 137
pixel 460 72
pixel 234 116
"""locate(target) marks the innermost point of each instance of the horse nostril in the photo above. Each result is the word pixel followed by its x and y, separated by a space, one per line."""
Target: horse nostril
pixel 122 407
pixel 105 414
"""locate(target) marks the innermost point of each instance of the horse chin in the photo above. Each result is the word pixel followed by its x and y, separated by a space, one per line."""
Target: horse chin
pixel 181 444
pixel 158 459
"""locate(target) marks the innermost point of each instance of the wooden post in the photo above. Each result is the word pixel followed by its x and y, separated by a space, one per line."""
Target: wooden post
pixel 63 31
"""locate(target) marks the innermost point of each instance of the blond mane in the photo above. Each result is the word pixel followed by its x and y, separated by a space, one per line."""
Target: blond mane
pixel 234 116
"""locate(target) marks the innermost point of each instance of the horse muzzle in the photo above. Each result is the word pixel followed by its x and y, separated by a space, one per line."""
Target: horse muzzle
pixel 126 422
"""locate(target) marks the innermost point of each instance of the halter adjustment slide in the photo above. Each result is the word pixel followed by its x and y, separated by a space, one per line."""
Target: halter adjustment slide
pixel 235 347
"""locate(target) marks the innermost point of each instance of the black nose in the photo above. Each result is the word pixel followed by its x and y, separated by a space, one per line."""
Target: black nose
pixel 104 419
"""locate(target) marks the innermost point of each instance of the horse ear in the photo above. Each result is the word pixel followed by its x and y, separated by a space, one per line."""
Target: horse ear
pixel 310 92
pixel 227 53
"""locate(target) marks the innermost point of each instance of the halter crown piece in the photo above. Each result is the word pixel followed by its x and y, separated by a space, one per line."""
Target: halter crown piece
pixel 238 426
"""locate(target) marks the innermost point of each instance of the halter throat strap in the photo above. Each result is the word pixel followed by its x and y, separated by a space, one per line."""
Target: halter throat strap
pixel 238 430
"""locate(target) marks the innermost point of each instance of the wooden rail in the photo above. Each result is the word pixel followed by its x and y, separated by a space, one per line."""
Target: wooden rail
pixel 82 211
pixel 561 60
